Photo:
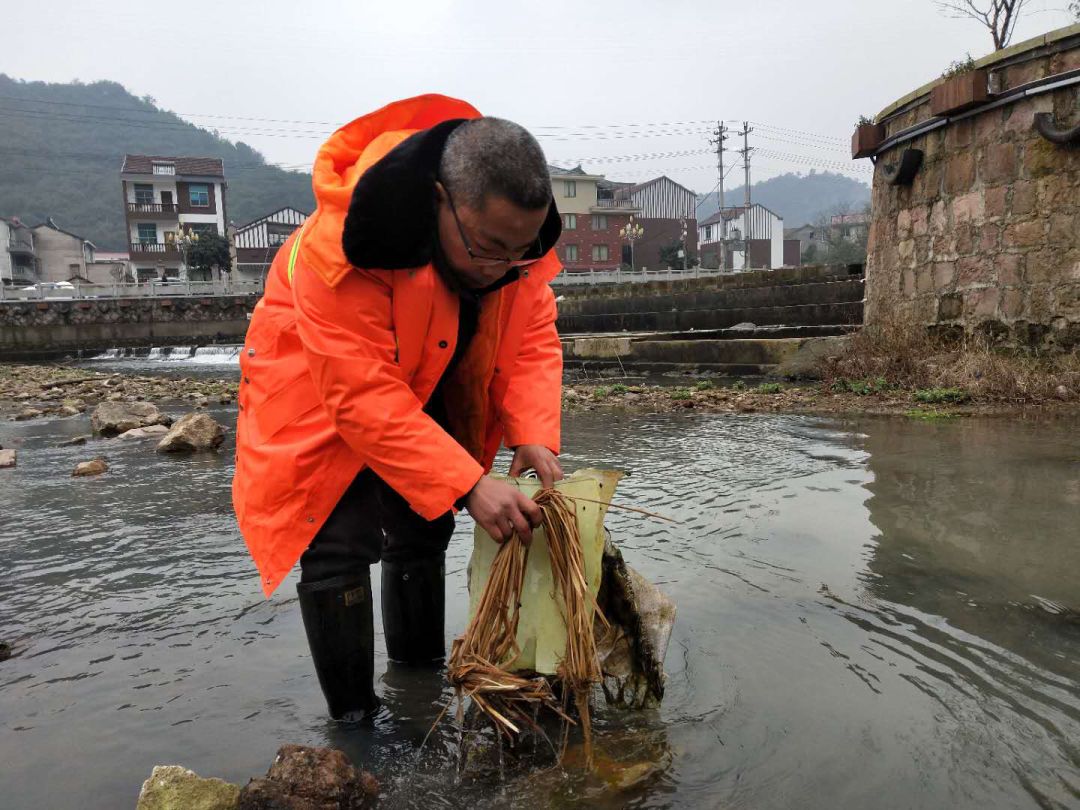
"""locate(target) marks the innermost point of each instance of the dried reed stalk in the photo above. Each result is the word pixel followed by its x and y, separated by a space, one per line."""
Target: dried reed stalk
pixel 480 659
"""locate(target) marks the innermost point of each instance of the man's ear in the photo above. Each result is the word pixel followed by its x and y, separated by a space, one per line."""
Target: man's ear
pixel 440 192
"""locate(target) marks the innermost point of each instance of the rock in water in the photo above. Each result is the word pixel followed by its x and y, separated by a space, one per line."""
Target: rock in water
pixel 114 418
pixel 7 458
pixel 73 441
pixel 196 431
pixel 5 651
pixel 94 467
pixel 27 414
pixel 316 778
pixel 171 787
pixel 633 647
pixel 144 432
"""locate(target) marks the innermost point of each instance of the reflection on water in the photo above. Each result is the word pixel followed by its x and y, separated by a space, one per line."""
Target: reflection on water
pixel 872 614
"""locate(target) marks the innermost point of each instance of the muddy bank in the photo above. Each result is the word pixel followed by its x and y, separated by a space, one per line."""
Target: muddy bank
pixel 29 392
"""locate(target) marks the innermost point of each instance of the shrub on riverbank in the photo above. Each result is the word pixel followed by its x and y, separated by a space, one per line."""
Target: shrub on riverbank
pixel 903 354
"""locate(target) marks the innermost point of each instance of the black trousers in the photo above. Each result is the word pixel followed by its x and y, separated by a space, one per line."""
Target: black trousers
pixel 371 523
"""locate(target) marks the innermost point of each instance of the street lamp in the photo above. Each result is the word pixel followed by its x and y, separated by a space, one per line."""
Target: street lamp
pixel 184 243
pixel 631 232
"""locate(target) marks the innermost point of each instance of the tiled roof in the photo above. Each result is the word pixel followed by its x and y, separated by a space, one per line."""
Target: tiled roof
pixel 560 172
pixel 200 166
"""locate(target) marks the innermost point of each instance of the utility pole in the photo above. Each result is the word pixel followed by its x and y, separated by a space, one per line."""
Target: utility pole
pixel 719 136
pixel 747 218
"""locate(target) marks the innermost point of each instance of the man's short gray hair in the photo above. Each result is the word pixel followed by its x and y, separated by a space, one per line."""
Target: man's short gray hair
pixel 492 156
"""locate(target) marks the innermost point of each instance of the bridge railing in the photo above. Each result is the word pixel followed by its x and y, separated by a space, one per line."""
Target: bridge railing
pixel 64 291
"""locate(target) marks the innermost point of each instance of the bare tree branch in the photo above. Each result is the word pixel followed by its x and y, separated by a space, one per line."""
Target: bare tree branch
pixel 997 16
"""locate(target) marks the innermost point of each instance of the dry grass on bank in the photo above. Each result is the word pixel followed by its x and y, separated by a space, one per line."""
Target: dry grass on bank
pixel 901 353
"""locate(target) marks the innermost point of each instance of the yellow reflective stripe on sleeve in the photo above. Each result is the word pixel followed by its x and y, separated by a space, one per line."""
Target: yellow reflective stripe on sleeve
pixel 294 251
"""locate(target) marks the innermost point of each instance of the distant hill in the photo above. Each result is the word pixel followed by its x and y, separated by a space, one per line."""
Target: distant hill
pixel 798 198
pixel 62 145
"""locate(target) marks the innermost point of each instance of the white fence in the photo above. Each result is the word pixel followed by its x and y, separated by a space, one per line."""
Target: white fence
pixel 591 277
pixel 46 291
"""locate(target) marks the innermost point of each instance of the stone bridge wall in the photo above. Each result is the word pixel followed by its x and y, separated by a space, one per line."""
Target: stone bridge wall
pixel 30 328
pixel 986 238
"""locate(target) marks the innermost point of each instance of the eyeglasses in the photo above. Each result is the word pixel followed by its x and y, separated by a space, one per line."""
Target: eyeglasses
pixel 479 258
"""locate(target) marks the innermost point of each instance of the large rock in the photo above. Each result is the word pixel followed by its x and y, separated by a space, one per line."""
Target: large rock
pixel 195 431
pixel 114 418
pixel 27 414
pixel 171 787
pixel 75 441
pixel 809 360
pixel 7 458
pixel 94 467
pixel 304 778
pixel 144 433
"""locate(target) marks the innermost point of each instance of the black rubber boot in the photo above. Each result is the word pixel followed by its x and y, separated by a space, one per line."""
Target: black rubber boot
pixel 413 609
pixel 338 620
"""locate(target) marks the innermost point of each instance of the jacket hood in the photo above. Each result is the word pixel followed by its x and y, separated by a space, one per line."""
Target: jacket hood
pixel 374 187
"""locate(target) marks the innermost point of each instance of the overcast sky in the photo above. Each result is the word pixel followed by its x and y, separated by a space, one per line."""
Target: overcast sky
pixel 598 81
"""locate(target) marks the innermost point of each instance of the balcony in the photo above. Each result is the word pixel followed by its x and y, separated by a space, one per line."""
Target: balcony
pixel 21 243
pixel 160 248
pixel 617 205
pixel 153 210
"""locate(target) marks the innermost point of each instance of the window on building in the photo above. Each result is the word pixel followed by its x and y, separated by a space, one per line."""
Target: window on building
pixel 144 193
pixel 276 239
pixel 199 195
pixel 569 222
pixel 599 253
pixel 599 222
pixel 147 233
pixel 569 188
pixel 570 253
pixel 203 228
pixel 708 233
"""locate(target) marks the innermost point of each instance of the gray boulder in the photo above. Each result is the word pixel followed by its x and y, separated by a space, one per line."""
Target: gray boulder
pixel 193 432
pixel 7 458
pixel 114 418
pixel 171 787
pixel 809 360
pixel 144 432
pixel 27 413
pixel 73 441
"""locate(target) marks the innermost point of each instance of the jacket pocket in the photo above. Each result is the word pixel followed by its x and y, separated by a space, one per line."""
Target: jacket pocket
pixel 296 398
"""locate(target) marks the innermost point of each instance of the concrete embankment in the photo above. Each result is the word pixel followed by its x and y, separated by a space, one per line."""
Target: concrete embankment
pixel 749 323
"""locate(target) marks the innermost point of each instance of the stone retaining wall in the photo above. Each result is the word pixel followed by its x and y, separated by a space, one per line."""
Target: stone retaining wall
pixel 986 239
pixel 39 327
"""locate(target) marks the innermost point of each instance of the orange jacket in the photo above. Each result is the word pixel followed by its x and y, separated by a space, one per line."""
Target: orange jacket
pixel 339 361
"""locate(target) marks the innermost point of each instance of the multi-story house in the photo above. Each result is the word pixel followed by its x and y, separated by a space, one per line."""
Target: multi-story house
pixel 725 236
pixel 62 255
pixel 18 253
pixel 668 217
pixel 165 199
pixel 258 242
pixel 592 215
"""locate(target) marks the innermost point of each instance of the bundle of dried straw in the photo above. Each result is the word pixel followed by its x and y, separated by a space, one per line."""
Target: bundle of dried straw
pixel 480 659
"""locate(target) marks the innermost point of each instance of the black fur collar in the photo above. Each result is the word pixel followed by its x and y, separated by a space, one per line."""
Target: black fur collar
pixel 391 222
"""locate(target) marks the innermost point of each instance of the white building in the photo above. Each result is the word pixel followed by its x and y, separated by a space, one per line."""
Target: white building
pixel 723 238
pixel 166 197
pixel 257 242
pixel 18 253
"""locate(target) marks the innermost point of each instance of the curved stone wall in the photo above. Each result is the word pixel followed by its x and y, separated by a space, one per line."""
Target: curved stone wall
pixel 985 238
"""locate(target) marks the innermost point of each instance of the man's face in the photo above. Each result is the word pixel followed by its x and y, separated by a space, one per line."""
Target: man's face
pixel 489 239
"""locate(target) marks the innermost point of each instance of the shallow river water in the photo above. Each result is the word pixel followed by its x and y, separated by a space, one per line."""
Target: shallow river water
pixel 875 613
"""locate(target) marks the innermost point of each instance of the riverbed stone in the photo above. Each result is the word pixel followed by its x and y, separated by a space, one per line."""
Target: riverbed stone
pixel 93 467
pixel 172 787
pixel 306 778
pixel 27 414
pixel 5 651
pixel 7 459
pixel 144 432
pixel 114 418
pixel 195 431
pixel 74 441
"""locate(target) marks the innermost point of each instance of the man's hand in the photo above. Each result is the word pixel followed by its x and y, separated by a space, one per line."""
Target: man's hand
pixel 502 509
pixel 539 458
